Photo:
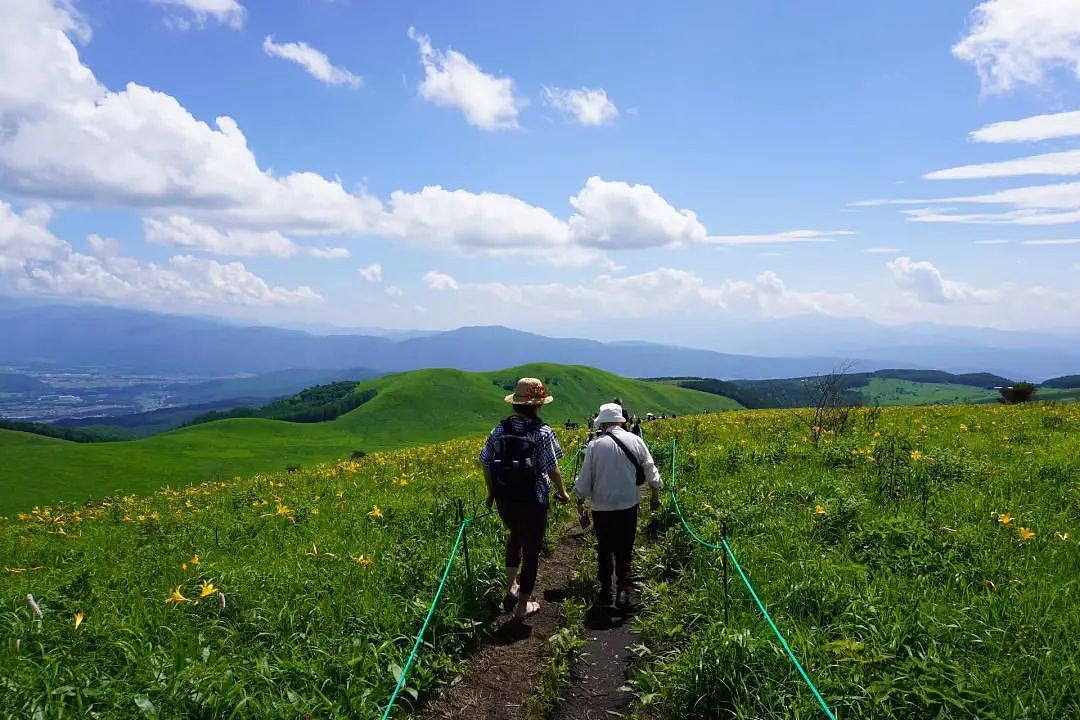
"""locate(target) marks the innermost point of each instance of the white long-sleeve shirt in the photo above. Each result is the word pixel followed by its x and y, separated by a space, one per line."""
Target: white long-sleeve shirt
pixel 607 475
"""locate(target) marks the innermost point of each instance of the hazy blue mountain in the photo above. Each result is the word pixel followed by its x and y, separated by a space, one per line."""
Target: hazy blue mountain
pixel 93 336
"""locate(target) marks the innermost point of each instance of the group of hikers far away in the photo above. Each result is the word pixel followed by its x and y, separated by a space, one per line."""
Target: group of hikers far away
pixel 521 467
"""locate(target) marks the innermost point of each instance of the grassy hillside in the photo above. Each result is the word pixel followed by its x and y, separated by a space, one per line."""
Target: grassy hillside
pixel 408 409
pixel 887 391
pixel 922 564
pixel 882 387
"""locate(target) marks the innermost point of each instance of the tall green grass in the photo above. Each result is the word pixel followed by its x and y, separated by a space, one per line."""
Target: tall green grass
pixel 922 564
pixel 320 581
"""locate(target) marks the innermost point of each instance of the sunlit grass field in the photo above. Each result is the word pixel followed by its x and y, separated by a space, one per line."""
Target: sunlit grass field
pixel 409 409
pixel 276 596
pixel 923 563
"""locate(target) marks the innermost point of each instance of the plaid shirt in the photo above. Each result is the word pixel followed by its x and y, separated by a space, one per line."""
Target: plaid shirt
pixel 548 453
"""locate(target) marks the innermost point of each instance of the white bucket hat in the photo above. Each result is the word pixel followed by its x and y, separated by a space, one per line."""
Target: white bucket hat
pixel 610 413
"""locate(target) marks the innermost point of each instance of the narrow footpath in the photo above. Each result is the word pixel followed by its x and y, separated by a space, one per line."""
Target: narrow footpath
pixel 497 681
pixel 596 682
pixel 499 678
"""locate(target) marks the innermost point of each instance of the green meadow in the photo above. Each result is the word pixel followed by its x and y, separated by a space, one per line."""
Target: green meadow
pixel 408 409
pixel 921 562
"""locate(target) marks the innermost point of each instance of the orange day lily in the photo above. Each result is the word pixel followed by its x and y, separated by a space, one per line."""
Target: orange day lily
pixel 1005 519
pixel 1025 534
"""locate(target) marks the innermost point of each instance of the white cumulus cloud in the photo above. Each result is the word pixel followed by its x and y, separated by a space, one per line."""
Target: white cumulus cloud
pixel 183 232
pixel 620 215
pixel 582 105
pixel 923 280
pixel 439 281
pixel 34 261
pixel 452 80
pixel 1018 42
pixel 315 62
pixel 68 138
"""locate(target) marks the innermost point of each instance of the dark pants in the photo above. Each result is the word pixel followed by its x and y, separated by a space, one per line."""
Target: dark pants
pixel 615 532
pixel 526 523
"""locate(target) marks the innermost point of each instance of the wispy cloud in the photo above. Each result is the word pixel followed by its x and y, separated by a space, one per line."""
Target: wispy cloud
pixel 1029 129
pixel 779 238
pixel 583 105
pixel 1055 163
pixel 316 63
pixel 882 250
pixel 372 273
pixel 198 12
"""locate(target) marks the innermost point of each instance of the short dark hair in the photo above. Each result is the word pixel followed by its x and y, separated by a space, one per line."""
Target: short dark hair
pixel 531 411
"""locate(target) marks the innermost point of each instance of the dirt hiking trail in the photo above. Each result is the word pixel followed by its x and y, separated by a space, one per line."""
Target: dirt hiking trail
pixel 498 679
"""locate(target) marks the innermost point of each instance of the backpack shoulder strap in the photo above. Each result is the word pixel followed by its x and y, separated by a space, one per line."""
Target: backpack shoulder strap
pixel 626 451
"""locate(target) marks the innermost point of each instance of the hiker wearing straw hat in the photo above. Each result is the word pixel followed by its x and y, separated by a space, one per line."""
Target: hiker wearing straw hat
pixel 521 462
pixel 617 467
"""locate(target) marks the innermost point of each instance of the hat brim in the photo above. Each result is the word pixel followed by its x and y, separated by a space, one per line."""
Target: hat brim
pixel 515 400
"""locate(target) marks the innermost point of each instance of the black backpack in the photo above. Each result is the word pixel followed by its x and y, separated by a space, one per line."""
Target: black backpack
pixel 513 469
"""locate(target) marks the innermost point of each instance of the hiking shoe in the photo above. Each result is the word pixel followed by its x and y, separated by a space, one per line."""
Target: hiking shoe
pixel 624 601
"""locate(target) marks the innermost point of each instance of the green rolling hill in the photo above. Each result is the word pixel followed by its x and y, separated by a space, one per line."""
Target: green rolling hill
pixel 411 408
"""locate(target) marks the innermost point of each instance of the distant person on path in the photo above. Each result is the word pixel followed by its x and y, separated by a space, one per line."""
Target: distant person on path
pixel 617 466
pixel 521 461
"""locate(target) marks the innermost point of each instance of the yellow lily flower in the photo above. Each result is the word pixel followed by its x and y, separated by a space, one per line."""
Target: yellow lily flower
pixel 1005 519
pixel 375 513
pixel 1025 534
pixel 819 510
pixel 194 560
pixel 79 617
pixel 176 597
pixel 207 589
pixel 365 560
pixel 1061 535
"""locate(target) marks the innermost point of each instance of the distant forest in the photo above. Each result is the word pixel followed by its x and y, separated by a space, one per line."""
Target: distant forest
pixel 315 404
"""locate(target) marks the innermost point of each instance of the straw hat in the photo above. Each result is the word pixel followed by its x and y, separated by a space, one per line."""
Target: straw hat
pixel 529 391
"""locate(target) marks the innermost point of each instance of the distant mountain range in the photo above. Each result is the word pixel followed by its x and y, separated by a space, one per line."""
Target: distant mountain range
pixel 101 337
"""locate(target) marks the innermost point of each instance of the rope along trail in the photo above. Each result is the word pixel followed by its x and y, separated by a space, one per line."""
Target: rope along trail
pixel 403 676
pixel 726 548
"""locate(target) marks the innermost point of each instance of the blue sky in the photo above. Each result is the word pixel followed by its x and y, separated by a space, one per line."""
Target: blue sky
pixel 577 169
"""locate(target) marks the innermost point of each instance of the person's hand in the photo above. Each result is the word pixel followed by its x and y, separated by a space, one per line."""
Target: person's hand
pixel 490 501
pixel 562 496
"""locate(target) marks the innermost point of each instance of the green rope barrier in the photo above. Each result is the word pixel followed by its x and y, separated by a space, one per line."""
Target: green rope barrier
pixel 725 547
pixel 427 621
